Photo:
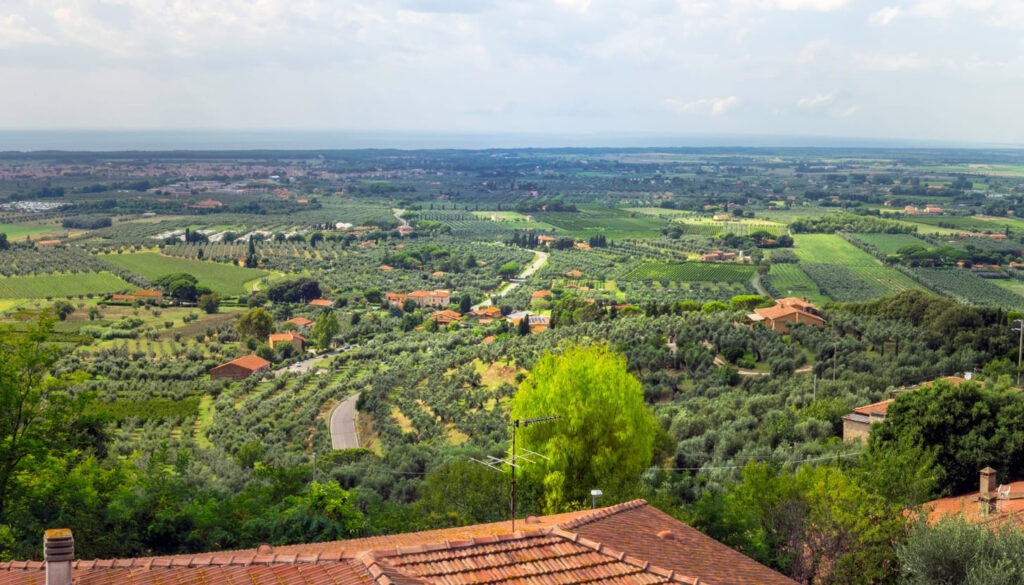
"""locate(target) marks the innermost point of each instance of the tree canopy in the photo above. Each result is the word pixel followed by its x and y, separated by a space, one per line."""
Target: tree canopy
pixel 605 436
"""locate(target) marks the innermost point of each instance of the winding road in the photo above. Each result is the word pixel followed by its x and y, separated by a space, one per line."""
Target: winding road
pixel 343 417
pixel 343 424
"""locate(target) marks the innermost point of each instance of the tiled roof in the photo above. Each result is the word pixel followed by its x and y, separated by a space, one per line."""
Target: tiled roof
pixel 626 543
pixel 545 556
pixel 645 531
pixel 250 362
pixel 877 409
pixel 300 321
pixel 1009 509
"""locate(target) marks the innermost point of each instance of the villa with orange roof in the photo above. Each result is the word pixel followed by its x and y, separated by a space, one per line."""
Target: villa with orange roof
pixel 297 341
pixel 786 312
pixel 993 505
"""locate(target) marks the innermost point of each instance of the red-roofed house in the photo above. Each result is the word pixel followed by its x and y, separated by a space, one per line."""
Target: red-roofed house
pixel 326 303
pixel 780 316
pixel 993 505
pixel 297 341
pixel 629 543
pixel 445 317
pixel 395 299
pixel 857 424
pixel 300 322
pixel 240 368
pixel 431 298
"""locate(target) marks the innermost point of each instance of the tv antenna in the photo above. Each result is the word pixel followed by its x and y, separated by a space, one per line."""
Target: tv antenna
pixel 512 462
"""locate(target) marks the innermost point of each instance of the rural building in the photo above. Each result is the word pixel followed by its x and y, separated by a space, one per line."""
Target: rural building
pixel 431 298
pixel 445 317
pixel 546 240
pixel 718 256
pixel 297 341
pixel 581 246
pixel 993 505
pixel 786 312
pixel 325 303
pixel 240 368
pixel 539 323
pixel 574 273
pixel 857 424
pixel 405 229
pixel 300 322
pixel 395 299
pixel 207 204
pixel 485 315
pixel 631 542
pixel 47 243
pixel 541 294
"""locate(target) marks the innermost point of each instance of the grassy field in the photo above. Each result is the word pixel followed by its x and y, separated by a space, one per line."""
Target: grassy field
pixel 830 249
pixel 740 227
pixel 692 272
pixel 226 279
pixel 16 231
pixel 612 223
pixel 890 243
pixel 60 285
pixel 791 281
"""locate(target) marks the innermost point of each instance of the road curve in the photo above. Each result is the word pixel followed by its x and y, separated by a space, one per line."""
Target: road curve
pixel 538 261
pixel 343 424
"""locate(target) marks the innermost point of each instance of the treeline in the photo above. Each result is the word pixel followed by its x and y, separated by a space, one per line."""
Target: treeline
pixel 87 222
pixel 831 224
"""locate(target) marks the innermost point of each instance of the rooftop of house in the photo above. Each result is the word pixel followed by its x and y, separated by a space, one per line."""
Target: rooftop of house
pixel 630 542
pixel 1009 507
pixel 300 321
pixel 250 362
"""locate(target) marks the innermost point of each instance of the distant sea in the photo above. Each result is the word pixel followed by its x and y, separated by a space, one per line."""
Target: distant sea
pixel 165 140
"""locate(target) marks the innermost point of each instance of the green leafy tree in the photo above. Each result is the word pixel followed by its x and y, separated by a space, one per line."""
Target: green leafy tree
pixel 605 436
pixel 63 309
pixel 37 416
pixel 210 303
pixel 954 551
pixel 325 328
pixel 256 323
pixel 508 270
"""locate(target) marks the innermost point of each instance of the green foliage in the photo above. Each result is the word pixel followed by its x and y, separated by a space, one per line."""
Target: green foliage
pixel 831 224
pixel 256 323
pixel 970 428
pixel 605 436
pixel 955 552
pixel 209 303
pixel 693 272
pixel 816 524
pixel 48 285
pixel 325 328
pixel 299 290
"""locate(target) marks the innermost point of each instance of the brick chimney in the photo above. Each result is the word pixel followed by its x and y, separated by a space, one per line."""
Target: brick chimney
pixel 59 551
pixel 988 492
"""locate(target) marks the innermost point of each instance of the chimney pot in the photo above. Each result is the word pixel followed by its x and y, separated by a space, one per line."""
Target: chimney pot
pixel 59 551
pixel 988 482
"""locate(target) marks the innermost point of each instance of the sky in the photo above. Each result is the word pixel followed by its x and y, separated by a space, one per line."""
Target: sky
pixel 921 70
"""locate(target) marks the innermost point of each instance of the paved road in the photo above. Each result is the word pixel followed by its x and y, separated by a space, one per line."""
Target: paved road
pixel 304 365
pixel 343 424
pixel 539 259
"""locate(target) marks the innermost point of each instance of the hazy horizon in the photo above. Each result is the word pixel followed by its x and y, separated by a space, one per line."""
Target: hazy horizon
pixel 166 139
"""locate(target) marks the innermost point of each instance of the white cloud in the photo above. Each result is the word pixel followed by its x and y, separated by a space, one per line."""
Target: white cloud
pixel 884 16
pixel 715 106
pixel 883 62
pixel 15 29
pixel 580 6
pixel 816 101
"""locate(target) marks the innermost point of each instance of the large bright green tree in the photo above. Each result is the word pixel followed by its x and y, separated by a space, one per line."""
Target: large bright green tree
pixel 325 328
pixel 605 435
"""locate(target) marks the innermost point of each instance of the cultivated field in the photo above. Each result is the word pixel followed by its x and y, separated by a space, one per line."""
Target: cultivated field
pixel 226 279
pixel 830 249
pixel 789 280
pixel 60 285
pixel 890 243
pixel 612 223
pixel 692 272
